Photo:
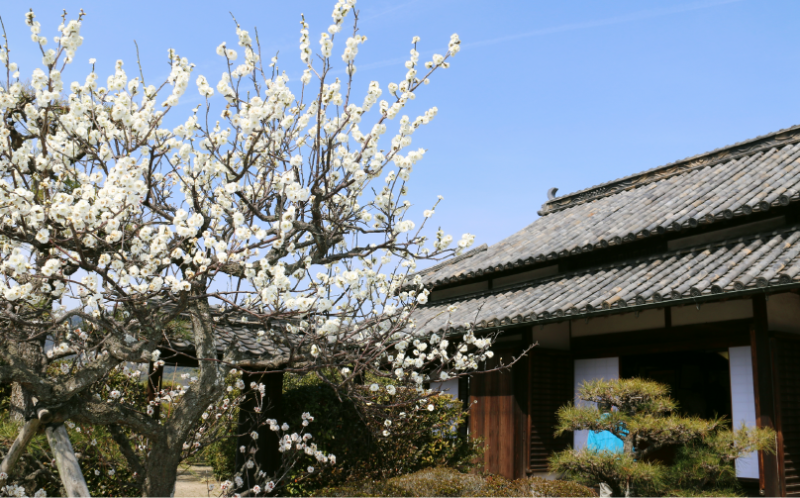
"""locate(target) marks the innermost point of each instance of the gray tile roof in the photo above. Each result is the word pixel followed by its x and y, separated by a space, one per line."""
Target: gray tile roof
pixel 737 180
pixel 747 263
pixel 230 324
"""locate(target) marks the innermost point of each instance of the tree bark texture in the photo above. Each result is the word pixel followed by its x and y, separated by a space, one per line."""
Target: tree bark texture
pixel 68 467
pixel 162 470
pixel 21 407
pixel 20 402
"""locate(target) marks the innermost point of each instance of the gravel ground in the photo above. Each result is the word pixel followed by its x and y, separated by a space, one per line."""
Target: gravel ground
pixel 194 481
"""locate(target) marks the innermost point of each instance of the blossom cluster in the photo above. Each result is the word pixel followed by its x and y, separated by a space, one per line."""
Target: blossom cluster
pixel 16 490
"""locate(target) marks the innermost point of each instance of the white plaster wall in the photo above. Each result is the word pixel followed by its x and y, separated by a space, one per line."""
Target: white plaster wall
pixel 711 312
pixel 591 369
pixel 552 335
pixel 449 386
pixel 783 312
pixel 743 403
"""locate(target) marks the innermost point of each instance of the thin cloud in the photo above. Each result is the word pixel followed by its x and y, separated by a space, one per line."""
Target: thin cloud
pixel 389 10
pixel 636 16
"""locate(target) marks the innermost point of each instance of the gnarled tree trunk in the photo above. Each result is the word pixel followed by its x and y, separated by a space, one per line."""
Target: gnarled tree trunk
pixel 162 470
pixel 22 402
pixel 165 455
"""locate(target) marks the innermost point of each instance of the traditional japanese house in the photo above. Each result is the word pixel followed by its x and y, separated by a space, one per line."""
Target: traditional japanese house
pixel 687 274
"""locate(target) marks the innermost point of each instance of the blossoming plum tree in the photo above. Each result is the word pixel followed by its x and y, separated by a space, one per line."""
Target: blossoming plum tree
pixel 284 201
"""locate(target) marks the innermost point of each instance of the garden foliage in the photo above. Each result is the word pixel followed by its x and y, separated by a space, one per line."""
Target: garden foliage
pixel 105 469
pixel 442 481
pixel 396 431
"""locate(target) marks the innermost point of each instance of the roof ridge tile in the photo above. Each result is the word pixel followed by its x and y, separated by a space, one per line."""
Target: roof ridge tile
pixel 709 158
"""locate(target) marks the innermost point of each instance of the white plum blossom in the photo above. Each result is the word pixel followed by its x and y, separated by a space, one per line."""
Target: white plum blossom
pixel 277 202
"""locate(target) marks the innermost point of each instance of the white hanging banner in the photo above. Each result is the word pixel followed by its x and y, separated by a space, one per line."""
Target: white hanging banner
pixel 743 404
pixel 592 369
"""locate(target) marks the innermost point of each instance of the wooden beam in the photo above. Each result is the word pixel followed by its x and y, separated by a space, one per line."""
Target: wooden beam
pixel 719 335
pixel 770 478
pixel 18 447
pixel 66 461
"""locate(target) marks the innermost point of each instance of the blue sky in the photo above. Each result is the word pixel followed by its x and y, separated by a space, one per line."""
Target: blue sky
pixel 544 94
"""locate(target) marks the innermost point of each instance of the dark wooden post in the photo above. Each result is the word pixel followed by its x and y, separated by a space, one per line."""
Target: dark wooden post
pixel 764 393
pixel 519 373
pixel 154 376
pixel 267 455
pixel 463 396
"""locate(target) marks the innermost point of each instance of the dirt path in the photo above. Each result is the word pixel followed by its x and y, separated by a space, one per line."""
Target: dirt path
pixel 194 481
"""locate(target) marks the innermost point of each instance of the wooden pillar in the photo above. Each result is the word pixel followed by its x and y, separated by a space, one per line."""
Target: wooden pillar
pixel 154 376
pixel 770 478
pixel 463 396
pixel 519 373
pixel 266 452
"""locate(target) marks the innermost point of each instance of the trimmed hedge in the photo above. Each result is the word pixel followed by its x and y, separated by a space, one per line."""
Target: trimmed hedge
pixel 442 481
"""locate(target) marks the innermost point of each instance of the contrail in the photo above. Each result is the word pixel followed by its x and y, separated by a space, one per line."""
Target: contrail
pixel 636 16
pixel 388 11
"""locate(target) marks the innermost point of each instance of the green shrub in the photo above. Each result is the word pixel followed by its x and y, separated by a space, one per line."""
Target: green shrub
pixel 737 491
pixel 546 487
pixel 221 456
pixel 366 490
pixel 415 437
pixel 441 481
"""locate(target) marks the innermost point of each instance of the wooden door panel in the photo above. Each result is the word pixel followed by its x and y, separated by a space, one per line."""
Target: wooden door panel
pixel 551 386
pixel 492 417
pixel 786 375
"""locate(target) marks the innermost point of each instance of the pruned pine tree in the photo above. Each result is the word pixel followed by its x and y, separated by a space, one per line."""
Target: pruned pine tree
pixel 641 414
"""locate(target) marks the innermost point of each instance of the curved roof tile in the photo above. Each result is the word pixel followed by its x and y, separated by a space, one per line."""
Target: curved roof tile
pixel 761 261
